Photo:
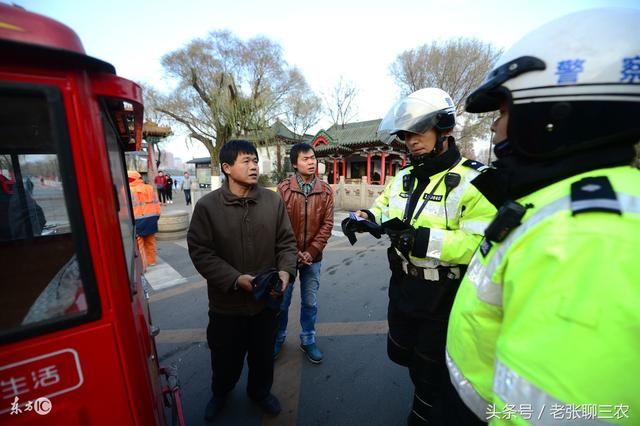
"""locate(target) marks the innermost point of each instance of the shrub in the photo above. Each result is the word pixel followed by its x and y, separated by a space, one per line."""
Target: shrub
pixel 264 180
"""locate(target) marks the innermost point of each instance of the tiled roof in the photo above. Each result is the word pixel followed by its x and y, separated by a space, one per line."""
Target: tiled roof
pixel 149 128
pixel 276 131
pixel 351 137
pixel 333 149
pixel 200 160
pixel 359 133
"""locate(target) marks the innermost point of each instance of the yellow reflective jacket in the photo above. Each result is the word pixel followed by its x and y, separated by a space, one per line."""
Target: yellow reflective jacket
pixel 456 223
pixel 546 323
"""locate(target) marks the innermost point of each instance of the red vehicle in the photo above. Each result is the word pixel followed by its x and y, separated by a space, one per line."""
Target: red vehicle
pixel 76 339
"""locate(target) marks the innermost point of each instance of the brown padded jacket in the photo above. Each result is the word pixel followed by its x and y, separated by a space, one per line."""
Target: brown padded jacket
pixel 229 236
pixel 311 216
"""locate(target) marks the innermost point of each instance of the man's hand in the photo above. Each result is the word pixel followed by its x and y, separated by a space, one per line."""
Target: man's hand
pixel 244 282
pixel 284 277
pixel 305 258
pixel 362 214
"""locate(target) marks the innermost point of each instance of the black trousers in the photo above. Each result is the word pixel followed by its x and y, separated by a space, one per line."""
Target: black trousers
pixel 418 316
pixel 231 339
pixel 162 194
pixel 187 196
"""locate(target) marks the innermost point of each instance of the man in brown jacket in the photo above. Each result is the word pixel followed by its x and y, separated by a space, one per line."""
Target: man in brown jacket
pixel 236 232
pixel 309 203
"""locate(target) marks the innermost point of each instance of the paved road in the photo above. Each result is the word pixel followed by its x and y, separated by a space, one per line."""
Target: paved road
pixel 355 385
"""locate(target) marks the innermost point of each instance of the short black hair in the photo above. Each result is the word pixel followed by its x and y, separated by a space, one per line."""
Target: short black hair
pixel 234 147
pixel 297 149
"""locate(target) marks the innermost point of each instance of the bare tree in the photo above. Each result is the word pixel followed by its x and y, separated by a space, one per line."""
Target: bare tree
pixel 303 112
pixel 456 66
pixel 340 103
pixel 227 88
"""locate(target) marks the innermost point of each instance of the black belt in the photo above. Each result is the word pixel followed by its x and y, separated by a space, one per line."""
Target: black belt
pixel 398 264
pixel 430 274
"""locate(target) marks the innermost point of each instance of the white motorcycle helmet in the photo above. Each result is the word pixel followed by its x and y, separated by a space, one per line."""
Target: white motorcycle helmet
pixel 572 85
pixel 417 113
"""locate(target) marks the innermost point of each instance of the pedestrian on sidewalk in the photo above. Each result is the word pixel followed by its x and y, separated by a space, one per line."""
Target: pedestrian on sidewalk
pixel 160 182
pixel 169 189
pixel 238 231
pixel 185 185
pixel 309 202
pixel 146 210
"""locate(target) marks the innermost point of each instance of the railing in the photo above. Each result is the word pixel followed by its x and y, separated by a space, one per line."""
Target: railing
pixel 355 196
pixel 348 196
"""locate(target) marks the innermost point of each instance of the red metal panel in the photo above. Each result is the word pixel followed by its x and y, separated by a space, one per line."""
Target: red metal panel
pixel 79 373
pixel 21 26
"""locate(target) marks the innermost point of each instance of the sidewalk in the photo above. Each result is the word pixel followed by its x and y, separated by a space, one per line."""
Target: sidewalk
pixel 173 265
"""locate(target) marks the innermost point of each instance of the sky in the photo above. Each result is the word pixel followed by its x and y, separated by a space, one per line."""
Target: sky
pixel 354 39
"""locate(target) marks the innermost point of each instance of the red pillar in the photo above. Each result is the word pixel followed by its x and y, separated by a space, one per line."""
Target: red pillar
pixel 344 168
pixel 369 167
pixel 382 168
pixel 335 170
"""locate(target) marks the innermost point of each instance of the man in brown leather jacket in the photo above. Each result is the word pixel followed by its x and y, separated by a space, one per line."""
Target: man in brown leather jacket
pixel 309 203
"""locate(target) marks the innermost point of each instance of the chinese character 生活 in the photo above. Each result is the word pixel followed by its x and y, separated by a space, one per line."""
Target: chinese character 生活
pixel 46 376
pixel 631 70
pixel 568 70
pixel 13 387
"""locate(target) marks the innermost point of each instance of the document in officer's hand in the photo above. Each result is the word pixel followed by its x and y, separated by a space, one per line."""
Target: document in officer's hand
pixel 354 216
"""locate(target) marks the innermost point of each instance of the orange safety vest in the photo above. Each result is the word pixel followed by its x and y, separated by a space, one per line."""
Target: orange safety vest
pixel 143 197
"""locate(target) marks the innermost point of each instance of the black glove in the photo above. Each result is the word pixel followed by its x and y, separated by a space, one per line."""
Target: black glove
pixel 402 235
pixel 351 226
pixel 263 283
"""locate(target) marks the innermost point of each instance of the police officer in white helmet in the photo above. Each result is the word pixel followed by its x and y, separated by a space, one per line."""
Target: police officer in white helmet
pixel 435 218
pixel 545 325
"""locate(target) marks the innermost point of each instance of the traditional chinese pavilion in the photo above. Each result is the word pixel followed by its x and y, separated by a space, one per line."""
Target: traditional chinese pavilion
pixel 144 161
pixel 354 151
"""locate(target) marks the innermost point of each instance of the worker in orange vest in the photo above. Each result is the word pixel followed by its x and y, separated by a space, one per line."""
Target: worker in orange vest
pixel 146 210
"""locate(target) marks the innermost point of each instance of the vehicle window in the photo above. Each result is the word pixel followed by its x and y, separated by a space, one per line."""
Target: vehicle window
pixel 121 191
pixel 45 281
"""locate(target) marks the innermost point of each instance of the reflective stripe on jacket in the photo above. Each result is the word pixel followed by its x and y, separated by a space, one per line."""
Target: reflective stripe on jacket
pixel 550 315
pixel 466 212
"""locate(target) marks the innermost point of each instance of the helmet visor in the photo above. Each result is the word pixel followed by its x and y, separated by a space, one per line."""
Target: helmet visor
pixel 414 116
pixel 490 95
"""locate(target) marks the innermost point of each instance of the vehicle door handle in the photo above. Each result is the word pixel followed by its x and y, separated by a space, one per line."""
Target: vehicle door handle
pixel 155 330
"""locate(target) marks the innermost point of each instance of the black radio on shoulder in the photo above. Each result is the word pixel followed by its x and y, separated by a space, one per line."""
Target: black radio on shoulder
pixel 407 182
pixel 507 219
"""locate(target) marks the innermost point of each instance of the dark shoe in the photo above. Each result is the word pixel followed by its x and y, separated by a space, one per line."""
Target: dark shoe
pixel 313 353
pixel 270 405
pixel 213 407
pixel 276 349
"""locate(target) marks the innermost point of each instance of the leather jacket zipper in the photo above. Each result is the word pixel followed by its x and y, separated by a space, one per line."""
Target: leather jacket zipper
pixel 306 201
